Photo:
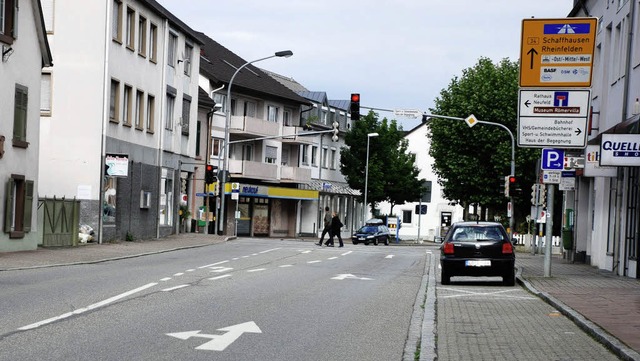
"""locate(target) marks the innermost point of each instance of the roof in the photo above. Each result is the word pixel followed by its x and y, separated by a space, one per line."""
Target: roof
pixel 286 81
pixel 204 99
pixel 173 20
pixel 332 187
pixel 219 64
pixel 340 104
pixel 318 97
pixel 43 41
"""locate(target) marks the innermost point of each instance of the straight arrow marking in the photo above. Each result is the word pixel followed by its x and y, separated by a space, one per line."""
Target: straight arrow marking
pixel 219 342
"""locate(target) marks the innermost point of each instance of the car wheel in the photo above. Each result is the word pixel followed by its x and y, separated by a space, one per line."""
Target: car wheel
pixel 366 243
pixel 509 278
pixel 354 242
pixel 445 277
pixel 375 241
pixel 386 241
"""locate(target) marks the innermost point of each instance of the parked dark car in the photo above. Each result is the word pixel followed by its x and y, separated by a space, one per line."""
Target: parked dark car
pixel 477 249
pixel 374 231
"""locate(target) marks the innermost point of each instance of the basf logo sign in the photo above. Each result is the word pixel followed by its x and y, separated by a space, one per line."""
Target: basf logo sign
pixel 620 150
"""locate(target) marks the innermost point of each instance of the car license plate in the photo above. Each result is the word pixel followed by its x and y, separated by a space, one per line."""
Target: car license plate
pixel 360 238
pixel 477 263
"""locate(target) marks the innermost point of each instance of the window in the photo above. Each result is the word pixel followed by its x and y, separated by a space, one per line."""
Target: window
pixel 127 105
pixel 186 109
pixel 286 118
pixel 151 106
pixel 332 161
pixel 153 42
pixel 271 153
pixel 305 154
pixel 142 36
pixel 18 206
pixel 406 217
pixel 250 109
pixel 247 152
pixel 325 159
pixel 171 100
pixel 109 205
pixel 139 109
pixel 272 114
pixel 198 136
pixel 285 157
pixel 173 43
pixel 187 57
pixel 220 99
pixel 114 101
pixel 116 21
pixel 47 14
pixel 166 198
pixel 217 146
pixel 45 94
pixel 314 155
pixel 421 209
pixel 20 117
pixel 131 32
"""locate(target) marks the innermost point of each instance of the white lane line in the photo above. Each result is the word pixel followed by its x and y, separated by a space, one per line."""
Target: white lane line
pixel 346 253
pixel 88 308
pixel 317 261
pixel 190 270
pixel 178 274
pixel 257 270
pixel 221 269
pixel 235 259
pixel 174 288
pixel 165 279
pixel 270 250
pixel 332 257
pixel 389 256
pixel 245 256
pixel 305 252
pixel 285 265
pixel 254 254
pixel 214 264
pixel 219 277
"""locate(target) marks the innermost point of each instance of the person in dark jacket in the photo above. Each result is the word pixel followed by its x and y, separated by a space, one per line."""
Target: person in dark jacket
pixel 327 226
pixel 335 230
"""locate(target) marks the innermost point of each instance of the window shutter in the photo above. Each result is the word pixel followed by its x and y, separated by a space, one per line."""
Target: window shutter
pixel 28 205
pixel 8 207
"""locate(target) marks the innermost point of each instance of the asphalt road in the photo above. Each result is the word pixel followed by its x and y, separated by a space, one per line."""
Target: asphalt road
pixel 250 299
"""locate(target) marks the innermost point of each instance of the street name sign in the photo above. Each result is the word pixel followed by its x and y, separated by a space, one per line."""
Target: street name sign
pixel 557 52
pixel 553 117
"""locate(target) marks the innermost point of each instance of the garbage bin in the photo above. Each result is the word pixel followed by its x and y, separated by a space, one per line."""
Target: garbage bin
pixel 567 239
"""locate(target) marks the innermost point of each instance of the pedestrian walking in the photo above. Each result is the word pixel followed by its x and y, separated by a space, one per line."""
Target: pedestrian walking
pixel 336 225
pixel 327 225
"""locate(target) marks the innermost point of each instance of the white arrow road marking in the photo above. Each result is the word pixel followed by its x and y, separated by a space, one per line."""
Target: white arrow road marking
pixel 88 308
pixel 219 342
pixel 389 256
pixel 347 275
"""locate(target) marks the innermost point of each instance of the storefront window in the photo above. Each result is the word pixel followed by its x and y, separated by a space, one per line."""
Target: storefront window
pixel 166 198
pixel 109 201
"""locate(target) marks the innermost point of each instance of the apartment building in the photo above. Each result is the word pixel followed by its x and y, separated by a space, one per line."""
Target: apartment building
pixel 603 211
pixel 265 192
pixel 24 52
pixel 118 124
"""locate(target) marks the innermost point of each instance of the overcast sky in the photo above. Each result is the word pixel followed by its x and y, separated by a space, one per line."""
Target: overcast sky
pixel 397 54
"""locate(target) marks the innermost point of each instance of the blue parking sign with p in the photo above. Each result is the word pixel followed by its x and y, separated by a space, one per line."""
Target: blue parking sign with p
pixel 552 159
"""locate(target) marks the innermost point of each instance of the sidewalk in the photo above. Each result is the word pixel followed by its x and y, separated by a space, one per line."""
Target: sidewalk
pixel 603 304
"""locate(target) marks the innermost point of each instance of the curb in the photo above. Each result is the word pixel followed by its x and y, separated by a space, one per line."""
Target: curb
pixel 613 344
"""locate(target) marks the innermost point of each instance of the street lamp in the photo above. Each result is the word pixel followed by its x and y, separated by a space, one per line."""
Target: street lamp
pixel 366 178
pixel 279 54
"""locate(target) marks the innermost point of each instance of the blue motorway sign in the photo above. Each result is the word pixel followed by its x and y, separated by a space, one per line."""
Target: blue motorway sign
pixel 552 159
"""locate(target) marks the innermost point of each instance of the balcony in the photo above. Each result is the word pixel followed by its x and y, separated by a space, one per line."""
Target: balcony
pixel 289 136
pixel 255 127
pixel 256 170
pixel 295 175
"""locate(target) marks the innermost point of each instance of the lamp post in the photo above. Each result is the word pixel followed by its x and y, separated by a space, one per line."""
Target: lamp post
pixel 366 178
pixel 279 54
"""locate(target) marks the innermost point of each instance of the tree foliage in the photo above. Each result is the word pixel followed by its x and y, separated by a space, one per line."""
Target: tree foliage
pixel 471 162
pixel 393 175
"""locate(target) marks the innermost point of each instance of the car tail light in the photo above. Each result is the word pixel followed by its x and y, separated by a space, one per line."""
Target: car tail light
pixel 448 248
pixel 507 248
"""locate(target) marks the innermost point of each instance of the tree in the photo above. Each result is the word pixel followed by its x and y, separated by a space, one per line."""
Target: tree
pixel 471 162
pixel 393 175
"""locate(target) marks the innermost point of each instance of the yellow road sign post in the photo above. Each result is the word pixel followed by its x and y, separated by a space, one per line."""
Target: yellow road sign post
pixel 557 52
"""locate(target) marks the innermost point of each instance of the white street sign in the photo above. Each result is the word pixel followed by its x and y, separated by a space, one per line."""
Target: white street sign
pixel 219 342
pixel 551 176
pixel 408 113
pixel 553 118
pixel 347 275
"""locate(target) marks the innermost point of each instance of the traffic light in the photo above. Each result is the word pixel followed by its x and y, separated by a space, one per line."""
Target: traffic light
pixel 354 107
pixel 209 174
pixel 513 186
pixel 535 194
pixel 335 131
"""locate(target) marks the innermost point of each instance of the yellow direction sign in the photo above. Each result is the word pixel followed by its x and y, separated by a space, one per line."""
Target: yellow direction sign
pixel 557 52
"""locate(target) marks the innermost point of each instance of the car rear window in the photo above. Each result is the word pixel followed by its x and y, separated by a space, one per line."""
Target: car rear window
pixel 475 233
